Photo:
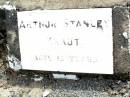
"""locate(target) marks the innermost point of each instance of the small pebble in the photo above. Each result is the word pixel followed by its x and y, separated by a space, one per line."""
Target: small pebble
pixel 122 91
pixel 35 92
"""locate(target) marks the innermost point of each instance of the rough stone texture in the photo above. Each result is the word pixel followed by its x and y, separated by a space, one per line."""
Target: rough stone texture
pixel 120 43
pixel 60 4
pixel 12 33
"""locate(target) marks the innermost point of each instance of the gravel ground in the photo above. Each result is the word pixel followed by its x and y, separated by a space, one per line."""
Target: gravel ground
pixel 44 86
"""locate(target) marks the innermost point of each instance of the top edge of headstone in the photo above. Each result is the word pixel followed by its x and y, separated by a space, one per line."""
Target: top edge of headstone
pixel 63 4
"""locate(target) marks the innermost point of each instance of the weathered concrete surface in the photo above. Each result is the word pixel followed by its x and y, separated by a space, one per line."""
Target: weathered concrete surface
pixel 2 41
pixel 12 33
pixel 120 24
